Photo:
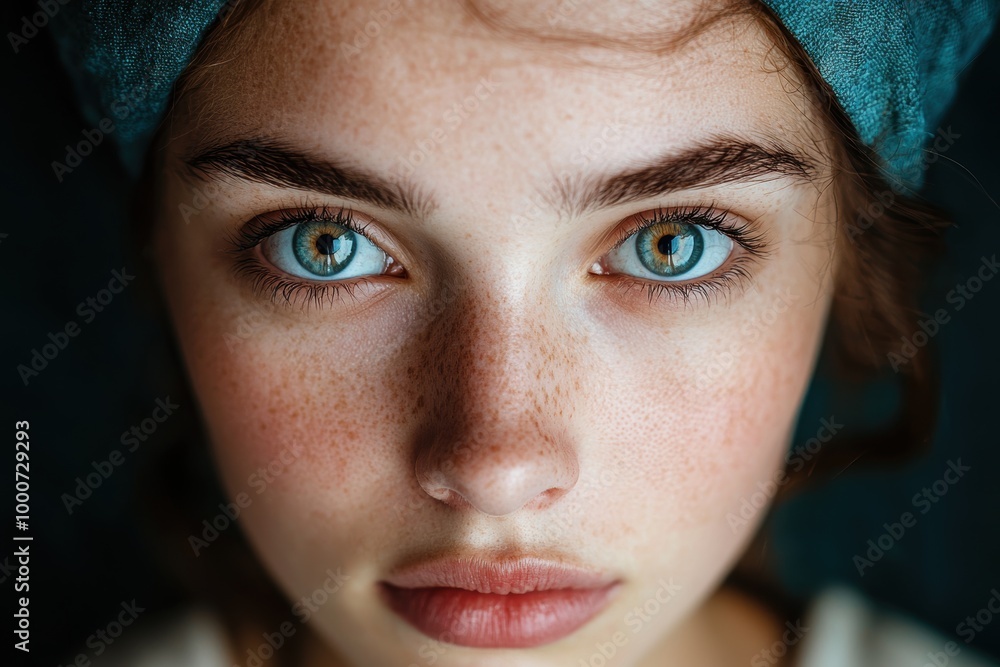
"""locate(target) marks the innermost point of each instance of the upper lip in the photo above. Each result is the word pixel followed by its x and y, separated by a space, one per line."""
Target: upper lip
pixel 500 576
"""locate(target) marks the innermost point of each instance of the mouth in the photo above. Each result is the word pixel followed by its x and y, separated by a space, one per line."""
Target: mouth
pixel 483 603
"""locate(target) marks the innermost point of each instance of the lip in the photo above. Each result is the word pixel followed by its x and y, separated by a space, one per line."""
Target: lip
pixel 486 603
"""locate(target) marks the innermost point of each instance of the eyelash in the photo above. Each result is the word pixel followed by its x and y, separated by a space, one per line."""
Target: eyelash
pixel 737 275
pixel 264 281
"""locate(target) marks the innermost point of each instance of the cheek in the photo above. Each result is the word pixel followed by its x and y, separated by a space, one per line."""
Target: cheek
pixel 293 421
pixel 711 423
pixel 277 390
pixel 313 445
pixel 694 417
pixel 325 401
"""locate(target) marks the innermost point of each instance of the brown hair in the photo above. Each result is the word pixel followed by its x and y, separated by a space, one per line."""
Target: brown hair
pixel 877 285
pixel 879 279
pixel 885 242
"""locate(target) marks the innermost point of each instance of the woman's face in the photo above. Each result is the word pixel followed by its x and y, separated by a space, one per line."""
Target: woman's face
pixel 481 373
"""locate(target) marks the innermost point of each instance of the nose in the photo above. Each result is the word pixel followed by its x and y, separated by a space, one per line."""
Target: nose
pixel 499 433
pixel 499 470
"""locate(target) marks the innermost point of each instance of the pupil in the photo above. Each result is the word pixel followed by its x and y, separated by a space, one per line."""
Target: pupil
pixel 326 244
pixel 666 244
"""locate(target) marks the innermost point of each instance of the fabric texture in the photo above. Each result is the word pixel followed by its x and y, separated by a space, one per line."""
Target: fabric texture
pixel 893 64
pixel 124 57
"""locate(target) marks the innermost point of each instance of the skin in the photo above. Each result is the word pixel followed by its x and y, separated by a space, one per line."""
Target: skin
pixel 500 397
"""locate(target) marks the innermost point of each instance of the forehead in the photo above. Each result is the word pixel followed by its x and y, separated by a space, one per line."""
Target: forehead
pixel 538 87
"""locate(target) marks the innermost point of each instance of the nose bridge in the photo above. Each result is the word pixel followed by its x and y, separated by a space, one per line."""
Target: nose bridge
pixel 497 350
pixel 504 359
pixel 499 433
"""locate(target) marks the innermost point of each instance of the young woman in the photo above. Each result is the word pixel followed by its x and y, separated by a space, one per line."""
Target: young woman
pixel 495 313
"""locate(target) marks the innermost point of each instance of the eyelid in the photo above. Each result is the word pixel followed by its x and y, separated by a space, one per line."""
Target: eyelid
pixel 743 231
pixel 746 233
pixel 750 244
pixel 262 226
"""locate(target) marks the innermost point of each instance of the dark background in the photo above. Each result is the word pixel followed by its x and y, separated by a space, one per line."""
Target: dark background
pixel 63 240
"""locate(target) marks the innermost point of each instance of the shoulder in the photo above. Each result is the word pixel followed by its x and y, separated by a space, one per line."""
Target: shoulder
pixel 844 628
pixel 191 638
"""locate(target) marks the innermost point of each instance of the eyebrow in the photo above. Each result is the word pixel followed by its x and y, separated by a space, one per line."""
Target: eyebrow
pixel 274 163
pixel 715 161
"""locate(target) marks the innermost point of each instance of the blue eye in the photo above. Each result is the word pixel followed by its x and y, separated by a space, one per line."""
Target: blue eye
pixel 671 251
pixel 323 250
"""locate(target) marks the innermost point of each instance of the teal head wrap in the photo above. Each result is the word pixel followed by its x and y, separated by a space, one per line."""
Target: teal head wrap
pixel 124 57
pixel 892 64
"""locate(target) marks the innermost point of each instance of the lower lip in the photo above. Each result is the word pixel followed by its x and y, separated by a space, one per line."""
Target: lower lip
pixel 490 620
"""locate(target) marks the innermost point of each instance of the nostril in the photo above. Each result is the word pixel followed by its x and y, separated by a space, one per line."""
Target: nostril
pixel 435 484
pixel 529 470
pixel 543 500
pixel 446 495
pixel 497 499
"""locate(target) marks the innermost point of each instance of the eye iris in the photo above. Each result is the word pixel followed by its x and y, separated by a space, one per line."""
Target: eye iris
pixel 670 248
pixel 323 248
